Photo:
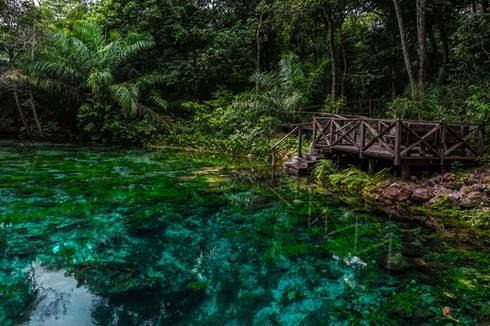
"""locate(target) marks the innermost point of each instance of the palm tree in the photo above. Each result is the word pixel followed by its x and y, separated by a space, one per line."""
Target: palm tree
pixel 279 94
pixel 87 67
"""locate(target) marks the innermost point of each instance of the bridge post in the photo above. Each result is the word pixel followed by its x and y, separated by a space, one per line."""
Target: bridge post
pixel 398 140
pixel 362 138
pixel 481 135
pixel 273 174
pixel 405 171
pixel 313 138
pixel 300 140
pixel 371 166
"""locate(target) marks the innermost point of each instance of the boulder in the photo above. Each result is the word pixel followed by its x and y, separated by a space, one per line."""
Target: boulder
pixel 421 195
pixel 441 191
pixel 466 189
pixel 409 186
pixel 449 177
pixel 455 198
pixel 396 192
pixel 427 267
pixel 383 184
pixel 472 200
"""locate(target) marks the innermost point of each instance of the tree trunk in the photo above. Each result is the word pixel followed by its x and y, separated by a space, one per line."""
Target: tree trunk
pixel 445 45
pixel 19 109
pixel 258 45
pixel 406 54
pixel 393 80
pixel 344 65
pixel 484 6
pixel 31 97
pixel 331 42
pixel 421 37
pixel 34 112
pixel 434 56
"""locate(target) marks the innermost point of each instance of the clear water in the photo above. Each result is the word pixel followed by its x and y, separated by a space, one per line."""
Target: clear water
pixel 131 237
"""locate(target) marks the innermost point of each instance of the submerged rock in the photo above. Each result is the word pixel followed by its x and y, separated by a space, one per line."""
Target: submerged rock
pixel 413 248
pixel 394 263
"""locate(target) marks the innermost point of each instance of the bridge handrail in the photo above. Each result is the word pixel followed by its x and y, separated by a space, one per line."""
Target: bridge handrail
pixel 421 122
pixel 285 137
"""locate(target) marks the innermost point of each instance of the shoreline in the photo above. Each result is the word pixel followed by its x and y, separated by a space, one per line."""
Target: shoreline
pixel 455 204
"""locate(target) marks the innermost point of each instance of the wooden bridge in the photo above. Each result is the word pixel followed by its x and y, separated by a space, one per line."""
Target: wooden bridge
pixel 402 143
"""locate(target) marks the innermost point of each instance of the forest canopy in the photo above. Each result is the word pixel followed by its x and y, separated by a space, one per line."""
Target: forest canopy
pixel 226 74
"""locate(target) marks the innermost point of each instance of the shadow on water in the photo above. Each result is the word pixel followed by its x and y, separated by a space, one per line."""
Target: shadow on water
pixel 130 237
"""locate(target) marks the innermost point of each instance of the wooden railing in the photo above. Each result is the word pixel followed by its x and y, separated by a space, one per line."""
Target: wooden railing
pixel 298 131
pixel 400 140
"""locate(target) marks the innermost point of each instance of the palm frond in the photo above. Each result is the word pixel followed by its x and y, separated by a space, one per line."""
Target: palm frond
pixel 132 47
pixel 99 80
pixel 90 34
pixel 57 70
pixel 157 100
pixel 126 95
pixel 150 80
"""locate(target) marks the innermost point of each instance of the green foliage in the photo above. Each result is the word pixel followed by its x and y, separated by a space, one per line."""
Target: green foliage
pixel 356 181
pixel 17 291
pixel 404 108
pixel 89 69
pixel 334 105
pixel 280 94
pixel 471 40
pixel 219 126
pixel 106 124
pixel 323 169
pixel 198 286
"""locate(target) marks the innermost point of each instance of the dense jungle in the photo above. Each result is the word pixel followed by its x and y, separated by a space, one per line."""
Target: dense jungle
pixel 135 175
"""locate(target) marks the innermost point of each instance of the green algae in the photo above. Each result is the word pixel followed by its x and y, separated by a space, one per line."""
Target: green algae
pixel 154 246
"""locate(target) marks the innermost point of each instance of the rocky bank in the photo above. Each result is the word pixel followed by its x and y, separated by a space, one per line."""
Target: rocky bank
pixel 455 203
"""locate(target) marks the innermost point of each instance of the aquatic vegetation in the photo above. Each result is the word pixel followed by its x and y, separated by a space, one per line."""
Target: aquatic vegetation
pixel 163 237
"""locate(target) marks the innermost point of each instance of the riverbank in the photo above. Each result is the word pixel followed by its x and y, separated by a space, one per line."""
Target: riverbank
pixel 456 204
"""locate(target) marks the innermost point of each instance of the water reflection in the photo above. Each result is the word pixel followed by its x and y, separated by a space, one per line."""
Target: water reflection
pixel 165 238
pixel 60 301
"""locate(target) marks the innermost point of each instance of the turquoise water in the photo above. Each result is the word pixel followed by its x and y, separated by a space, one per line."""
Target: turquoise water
pixel 132 237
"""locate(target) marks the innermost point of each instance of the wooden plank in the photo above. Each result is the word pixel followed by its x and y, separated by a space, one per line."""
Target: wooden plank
pixel 383 133
pixel 398 139
pixel 346 135
pixel 463 141
pixel 421 140
pixel 362 137
pixel 300 140
pixel 380 139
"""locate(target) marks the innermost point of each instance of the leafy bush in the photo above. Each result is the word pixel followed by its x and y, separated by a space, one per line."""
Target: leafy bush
pixel 334 105
pixel 217 125
pixel 404 108
pixel 105 123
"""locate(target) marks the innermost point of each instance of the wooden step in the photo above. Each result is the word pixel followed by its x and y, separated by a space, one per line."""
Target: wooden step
pixel 300 162
pixel 290 169
pixel 324 149
pixel 310 158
